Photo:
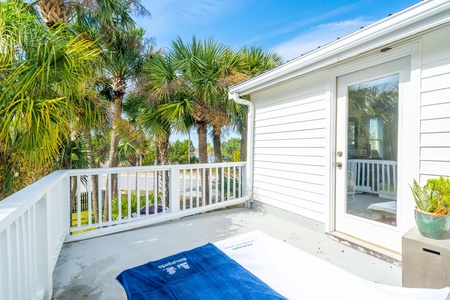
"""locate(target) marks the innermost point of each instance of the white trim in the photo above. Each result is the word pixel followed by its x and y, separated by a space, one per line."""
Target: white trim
pixel 408 164
pixel 412 50
pixel 413 20
pixel 330 109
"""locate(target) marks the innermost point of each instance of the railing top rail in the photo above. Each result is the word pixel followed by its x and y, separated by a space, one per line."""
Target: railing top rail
pixel 17 203
pixel 374 161
pixel 75 172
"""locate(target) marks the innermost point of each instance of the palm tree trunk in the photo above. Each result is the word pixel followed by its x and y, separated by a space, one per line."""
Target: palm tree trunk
pixel 163 149
pixel 203 157
pixel 119 91
pixel 217 145
pixel 202 142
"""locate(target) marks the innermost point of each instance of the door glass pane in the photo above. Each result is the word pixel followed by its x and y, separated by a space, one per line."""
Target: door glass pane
pixel 372 149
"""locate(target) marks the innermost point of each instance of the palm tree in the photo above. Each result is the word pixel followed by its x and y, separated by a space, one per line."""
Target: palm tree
pixel 104 14
pixel 42 72
pixel 159 86
pixel 200 65
pixel 122 62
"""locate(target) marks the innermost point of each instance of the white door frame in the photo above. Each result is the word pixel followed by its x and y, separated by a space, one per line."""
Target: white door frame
pixel 408 150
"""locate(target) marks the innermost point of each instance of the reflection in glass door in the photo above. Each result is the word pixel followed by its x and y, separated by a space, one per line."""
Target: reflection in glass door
pixel 372 149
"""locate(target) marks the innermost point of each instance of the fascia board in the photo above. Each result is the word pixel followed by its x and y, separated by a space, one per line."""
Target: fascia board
pixel 418 18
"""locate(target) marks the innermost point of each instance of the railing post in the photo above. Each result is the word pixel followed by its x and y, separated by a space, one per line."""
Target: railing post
pixel 43 248
pixel 174 196
pixel 245 184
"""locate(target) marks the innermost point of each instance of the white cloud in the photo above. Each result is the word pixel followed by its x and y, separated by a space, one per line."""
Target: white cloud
pixel 318 36
pixel 174 17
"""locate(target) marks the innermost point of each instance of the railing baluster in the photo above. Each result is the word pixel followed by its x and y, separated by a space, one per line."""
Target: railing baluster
pixel 190 189
pixel 394 171
pixel 222 184
pixel 203 177
pixel 197 183
pixel 78 201
pixel 128 194
pixel 234 182
pixel 228 183
pixel 89 191
pixel 184 189
pixel 146 193
pixel 210 186
pixel 99 198
pixel 155 192
pixel 217 185
pixel 9 263
pixel 20 261
pixel 119 196
pixel 163 200
pixel 138 196
pixel 240 183
pixel 389 178
pixel 26 242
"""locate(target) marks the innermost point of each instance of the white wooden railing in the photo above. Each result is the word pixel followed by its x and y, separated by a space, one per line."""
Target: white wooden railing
pixel 33 225
pixel 165 193
pixel 374 176
pixel 36 221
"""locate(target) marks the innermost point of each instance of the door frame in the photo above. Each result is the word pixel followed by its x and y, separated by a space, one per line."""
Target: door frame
pixel 408 156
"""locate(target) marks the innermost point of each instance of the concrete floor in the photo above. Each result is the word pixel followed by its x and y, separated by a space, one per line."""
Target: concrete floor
pixel 87 269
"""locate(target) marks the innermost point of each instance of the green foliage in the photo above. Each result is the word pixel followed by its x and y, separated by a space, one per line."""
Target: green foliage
pixel 231 150
pixel 434 197
pixel 236 155
pixel 178 152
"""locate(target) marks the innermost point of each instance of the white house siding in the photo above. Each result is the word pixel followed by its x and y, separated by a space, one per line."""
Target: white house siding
pixel 289 149
pixel 435 105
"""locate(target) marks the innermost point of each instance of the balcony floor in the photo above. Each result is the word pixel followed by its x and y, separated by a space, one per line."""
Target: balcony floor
pixel 87 269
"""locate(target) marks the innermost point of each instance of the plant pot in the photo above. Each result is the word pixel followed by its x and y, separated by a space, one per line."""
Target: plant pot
pixel 432 225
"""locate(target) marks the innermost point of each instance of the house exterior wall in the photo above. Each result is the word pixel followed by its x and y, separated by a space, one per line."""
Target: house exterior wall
pixel 293 133
pixel 435 105
pixel 290 146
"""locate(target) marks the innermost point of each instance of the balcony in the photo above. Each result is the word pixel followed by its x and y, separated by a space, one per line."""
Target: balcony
pixel 53 244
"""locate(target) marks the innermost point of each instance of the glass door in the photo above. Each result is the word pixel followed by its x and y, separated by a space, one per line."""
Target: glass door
pixel 366 154
pixel 372 149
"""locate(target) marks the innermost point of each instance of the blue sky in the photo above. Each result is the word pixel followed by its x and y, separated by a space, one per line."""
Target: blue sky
pixel 288 27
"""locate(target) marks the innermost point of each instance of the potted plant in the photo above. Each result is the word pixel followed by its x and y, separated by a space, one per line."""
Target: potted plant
pixel 432 212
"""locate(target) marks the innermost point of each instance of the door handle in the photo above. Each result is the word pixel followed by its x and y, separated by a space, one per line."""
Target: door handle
pixel 339 165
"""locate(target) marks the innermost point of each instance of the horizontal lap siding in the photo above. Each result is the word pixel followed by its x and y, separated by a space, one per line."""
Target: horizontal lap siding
pixel 435 105
pixel 289 148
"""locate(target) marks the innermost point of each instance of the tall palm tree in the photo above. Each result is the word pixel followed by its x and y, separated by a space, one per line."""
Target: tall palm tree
pixel 200 65
pixel 159 87
pixel 122 63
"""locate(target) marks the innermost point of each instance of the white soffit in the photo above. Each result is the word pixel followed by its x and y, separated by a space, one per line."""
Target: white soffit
pixel 420 17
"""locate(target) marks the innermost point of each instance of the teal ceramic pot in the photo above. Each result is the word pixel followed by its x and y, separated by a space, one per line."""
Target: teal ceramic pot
pixel 432 225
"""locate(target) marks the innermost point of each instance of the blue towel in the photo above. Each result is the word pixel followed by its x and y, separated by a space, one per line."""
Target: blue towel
pixel 201 273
